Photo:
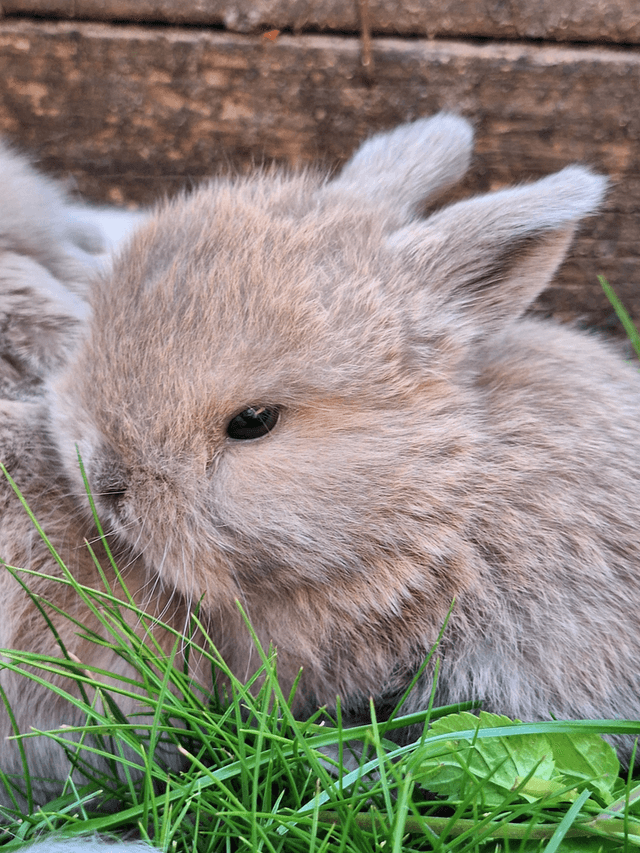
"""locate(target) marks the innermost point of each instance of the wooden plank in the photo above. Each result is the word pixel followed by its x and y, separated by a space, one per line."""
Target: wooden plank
pixel 616 21
pixel 132 112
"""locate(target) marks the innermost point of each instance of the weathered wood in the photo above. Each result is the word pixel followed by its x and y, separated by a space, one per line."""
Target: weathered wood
pixel 132 112
pixel 615 21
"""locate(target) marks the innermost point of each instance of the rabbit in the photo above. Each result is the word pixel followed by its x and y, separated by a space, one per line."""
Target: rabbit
pixel 299 393
pixel 27 456
pixel 39 219
pixel 42 274
pixel 317 402
pixel 50 249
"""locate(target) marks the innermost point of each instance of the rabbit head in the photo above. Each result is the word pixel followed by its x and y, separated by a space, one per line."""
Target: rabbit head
pixel 288 397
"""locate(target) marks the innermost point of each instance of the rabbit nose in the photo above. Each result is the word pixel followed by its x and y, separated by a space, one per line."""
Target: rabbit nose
pixel 109 486
pixel 113 494
pixel 110 499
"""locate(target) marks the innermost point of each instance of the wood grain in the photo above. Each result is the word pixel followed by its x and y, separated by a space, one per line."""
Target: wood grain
pixel 131 112
pixel 616 21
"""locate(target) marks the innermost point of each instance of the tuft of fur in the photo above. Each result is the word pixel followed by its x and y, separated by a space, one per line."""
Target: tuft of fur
pixel 49 250
pixel 88 845
pixel 432 441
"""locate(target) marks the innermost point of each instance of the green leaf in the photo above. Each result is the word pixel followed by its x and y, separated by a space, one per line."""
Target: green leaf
pixel 535 766
pixel 500 763
pixel 586 759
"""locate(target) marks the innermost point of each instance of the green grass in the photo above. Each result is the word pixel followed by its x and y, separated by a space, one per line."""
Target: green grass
pixel 622 313
pixel 256 779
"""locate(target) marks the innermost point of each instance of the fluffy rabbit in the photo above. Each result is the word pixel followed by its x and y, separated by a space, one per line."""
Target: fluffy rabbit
pixel 49 251
pixel 49 248
pixel 317 402
pixel 300 394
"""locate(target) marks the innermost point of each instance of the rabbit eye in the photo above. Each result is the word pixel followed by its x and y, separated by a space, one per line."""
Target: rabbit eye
pixel 253 422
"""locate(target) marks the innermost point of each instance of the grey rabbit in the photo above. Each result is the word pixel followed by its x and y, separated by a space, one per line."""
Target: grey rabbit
pixel 299 393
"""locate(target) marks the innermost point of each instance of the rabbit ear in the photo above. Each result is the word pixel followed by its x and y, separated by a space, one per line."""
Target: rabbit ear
pixel 491 256
pixel 396 172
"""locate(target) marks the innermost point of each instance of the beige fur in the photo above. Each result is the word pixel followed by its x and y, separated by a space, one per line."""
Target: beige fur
pixel 38 220
pixel 432 443
pixel 49 252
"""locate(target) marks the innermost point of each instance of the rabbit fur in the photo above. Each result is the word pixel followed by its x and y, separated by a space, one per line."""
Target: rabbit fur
pixel 50 248
pixel 427 441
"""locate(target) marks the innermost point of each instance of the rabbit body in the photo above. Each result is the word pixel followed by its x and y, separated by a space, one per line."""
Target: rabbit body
pixel 50 248
pixel 301 395
pixel 26 454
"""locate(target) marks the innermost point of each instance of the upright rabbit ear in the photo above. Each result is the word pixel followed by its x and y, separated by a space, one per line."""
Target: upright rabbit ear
pixel 395 172
pixel 490 257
